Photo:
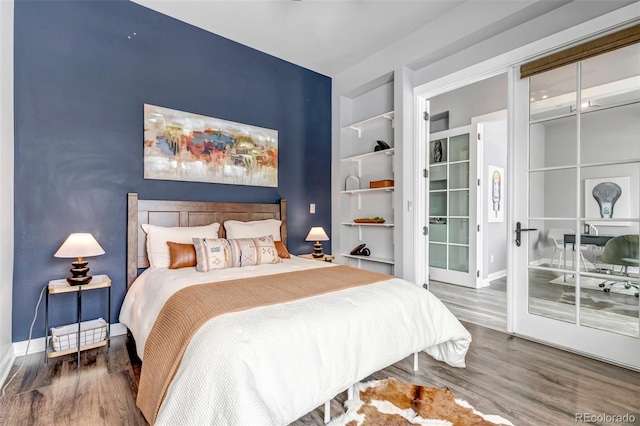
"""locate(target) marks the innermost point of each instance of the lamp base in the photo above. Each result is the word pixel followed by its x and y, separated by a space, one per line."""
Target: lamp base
pixel 79 272
pixel 317 250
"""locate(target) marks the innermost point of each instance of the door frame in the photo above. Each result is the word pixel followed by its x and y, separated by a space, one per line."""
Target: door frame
pixel 507 62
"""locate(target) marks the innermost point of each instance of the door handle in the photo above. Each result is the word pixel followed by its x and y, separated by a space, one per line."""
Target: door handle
pixel 519 230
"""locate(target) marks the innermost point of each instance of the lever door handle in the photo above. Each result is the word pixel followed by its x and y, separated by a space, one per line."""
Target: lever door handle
pixel 519 229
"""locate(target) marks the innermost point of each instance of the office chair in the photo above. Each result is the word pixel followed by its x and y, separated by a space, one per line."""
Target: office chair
pixel 555 236
pixel 622 251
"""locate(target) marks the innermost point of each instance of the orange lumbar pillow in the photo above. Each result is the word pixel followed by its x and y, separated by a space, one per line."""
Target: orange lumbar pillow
pixel 181 255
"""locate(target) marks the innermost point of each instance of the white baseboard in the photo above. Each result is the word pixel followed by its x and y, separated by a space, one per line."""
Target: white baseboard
pixel 5 366
pixel 38 345
pixel 493 276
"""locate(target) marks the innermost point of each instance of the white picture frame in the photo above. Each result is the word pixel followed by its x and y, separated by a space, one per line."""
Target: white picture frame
pixel 620 206
pixel 495 194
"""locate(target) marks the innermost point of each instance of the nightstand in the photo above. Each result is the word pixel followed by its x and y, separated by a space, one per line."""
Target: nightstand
pixel 325 257
pixel 94 336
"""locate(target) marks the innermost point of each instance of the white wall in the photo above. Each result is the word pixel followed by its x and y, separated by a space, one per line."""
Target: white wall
pixel 494 244
pixel 6 188
pixel 483 97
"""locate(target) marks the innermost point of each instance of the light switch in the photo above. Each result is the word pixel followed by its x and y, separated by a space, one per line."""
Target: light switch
pixel 312 208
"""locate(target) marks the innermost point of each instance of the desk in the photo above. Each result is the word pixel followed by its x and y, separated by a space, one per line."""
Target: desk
pixel 585 239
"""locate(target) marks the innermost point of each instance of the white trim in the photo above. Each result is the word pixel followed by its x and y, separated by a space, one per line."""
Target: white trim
pixel 7 236
pixel 493 276
pixel 420 243
pixel 578 352
pixel 38 345
pixel 5 366
pixel 499 64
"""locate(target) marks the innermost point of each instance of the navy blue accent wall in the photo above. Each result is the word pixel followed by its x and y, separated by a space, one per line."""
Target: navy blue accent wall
pixel 81 79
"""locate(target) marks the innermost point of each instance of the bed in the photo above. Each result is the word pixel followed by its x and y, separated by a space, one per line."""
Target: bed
pixel 275 362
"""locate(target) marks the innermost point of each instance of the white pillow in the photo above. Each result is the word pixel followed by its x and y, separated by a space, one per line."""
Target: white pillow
pixel 157 237
pixel 256 229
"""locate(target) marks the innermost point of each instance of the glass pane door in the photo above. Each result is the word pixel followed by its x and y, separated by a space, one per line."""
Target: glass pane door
pixel 451 171
pixel 582 186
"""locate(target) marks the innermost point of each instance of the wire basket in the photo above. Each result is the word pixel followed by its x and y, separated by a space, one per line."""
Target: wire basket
pixel 66 336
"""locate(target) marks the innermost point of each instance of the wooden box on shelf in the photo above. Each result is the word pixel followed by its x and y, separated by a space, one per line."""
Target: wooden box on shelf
pixel 386 183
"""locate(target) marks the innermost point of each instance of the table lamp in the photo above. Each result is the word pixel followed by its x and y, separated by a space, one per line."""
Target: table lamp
pixel 317 234
pixel 79 245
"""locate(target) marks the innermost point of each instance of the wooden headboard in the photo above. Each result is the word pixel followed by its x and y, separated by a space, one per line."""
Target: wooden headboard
pixel 188 213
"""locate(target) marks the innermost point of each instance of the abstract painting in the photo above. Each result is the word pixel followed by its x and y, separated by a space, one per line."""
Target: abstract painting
pixel 190 147
pixel 607 198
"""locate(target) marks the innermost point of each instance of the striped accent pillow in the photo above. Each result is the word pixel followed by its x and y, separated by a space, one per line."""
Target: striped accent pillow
pixel 212 253
pixel 253 251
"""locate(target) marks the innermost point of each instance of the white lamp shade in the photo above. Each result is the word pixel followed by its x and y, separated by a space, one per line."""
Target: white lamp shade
pixel 317 234
pixel 79 245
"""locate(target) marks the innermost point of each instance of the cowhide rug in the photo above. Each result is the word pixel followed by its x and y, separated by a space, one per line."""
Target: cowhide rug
pixel 392 403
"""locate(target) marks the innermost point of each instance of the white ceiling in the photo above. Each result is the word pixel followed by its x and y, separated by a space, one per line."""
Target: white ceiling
pixel 326 36
pixel 331 36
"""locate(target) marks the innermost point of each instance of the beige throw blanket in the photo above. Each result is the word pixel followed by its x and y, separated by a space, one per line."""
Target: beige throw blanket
pixel 188 309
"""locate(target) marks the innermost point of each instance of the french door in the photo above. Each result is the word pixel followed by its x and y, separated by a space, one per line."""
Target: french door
pixel 577 201
pixel 453 205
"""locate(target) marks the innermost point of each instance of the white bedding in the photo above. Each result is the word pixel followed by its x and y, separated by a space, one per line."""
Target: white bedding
pixel 273 364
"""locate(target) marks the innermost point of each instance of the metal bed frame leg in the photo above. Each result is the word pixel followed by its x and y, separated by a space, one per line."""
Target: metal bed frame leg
pixel 415 361
pixel 327 412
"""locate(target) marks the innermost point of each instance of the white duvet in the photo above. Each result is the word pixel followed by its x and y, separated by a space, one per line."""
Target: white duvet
pixel 273 364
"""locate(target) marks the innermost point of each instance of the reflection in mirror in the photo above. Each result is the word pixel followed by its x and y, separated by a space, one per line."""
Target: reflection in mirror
pixel 607 281
pixel 611 209
pixel 552 193
pixel 553 93
pixel 610 134
pixel 611 78
pixel 548 299
pixel 552 246
pixel 553 143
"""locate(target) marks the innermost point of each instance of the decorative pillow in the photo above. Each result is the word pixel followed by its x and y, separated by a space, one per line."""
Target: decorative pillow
pixel 181 255
pixel 158 236
pixel 282 250
pixel 212 253
pixel 252 251
pixel 254 229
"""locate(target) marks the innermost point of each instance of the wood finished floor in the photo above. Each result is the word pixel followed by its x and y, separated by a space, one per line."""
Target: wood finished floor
pixel 523 381
pixel 487 306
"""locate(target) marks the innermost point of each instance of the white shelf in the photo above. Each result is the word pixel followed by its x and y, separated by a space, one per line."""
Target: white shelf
pixel 362 191
pixel 359 159
pixel 389 151
pixel 384 225
pixel 370 258
pixel 358 126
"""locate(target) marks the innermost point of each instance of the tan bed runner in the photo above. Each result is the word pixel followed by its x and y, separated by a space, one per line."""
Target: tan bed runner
pixel 188 309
